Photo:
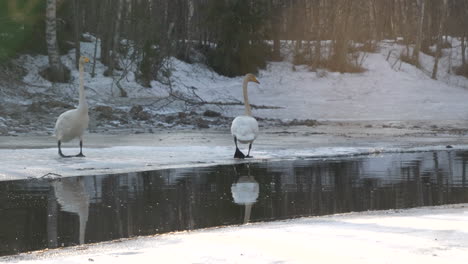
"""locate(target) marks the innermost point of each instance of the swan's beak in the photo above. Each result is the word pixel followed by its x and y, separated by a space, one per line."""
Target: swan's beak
pixel 86 60
pixel 256 81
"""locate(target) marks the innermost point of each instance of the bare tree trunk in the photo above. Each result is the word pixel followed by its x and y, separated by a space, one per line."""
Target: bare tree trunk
pixel 189 26
pixel 404 29
pixel 443 15
pixel 417 46
pixel 77 30
pixel 372 20
pixel 116 39
pixel 105 31
pixel 318 36
pixel 276 30
pixel 97 5
pixel 463 50
pixel 56 72
pixel 341 38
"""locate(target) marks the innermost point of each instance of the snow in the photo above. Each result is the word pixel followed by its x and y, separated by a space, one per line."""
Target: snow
pixel 388 90
pixel 179 152
pixel 421 235
pixel 35 163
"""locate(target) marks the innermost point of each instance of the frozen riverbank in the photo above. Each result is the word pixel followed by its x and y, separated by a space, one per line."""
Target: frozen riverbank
pixel 36 156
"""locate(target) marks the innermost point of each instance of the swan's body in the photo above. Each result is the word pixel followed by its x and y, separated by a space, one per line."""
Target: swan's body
pixel 245 128
pixel 72 123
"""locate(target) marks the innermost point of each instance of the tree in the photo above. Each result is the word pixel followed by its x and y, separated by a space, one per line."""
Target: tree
pixel 234 35
pixel 77 30
pixel 239 31
pixel 56 72
pixel 18 22
pixel 442 18
pixel 116 38
pixel 341 36
pixel 318 35
pixel 419 35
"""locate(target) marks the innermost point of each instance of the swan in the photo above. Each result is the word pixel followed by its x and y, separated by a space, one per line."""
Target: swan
pixel 244 128
pixel 72 123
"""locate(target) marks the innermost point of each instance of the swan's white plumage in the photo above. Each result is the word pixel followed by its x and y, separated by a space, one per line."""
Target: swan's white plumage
pixel 245 129
pixel 72 123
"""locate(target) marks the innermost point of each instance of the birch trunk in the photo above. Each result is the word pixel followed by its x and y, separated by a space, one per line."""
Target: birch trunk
pixel 56 72
pixel 372 20
pixel 443 15
pixel 116 38
pixel 189 26
pixel 417 47
pixel 318 37
pixel 77 30
pixel 463 50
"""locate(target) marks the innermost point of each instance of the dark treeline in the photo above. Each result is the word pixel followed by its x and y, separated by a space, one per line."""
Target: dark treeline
pixel 234 36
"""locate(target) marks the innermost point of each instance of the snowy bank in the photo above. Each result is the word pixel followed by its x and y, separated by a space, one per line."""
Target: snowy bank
pixel 421 235
pixel 389 89
pixel 36 156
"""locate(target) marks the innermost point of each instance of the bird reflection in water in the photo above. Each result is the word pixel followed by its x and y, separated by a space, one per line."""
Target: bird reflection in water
pixel 72 197
pixel 245 191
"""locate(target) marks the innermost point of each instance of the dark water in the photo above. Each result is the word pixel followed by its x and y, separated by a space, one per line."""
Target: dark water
pixel 37 214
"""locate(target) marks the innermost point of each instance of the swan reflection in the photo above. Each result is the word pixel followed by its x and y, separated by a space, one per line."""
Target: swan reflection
pixel 245 192
pixel 73 198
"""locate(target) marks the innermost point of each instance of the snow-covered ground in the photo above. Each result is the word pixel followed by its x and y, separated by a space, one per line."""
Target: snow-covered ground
pixel 36 156
pixel 388 90
pixel 422 235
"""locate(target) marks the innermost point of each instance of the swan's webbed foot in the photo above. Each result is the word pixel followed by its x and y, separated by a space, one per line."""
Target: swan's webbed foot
pixel 59 143
pixel 239 154
pixel 81 149
pixel 248 157
pixel 64 156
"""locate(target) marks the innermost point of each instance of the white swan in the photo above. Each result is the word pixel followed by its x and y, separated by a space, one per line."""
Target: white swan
pixel 244 128
pixel 73 123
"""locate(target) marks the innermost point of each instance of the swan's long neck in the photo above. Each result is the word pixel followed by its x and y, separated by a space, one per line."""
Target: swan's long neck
pixel 82 105
pixel 248 110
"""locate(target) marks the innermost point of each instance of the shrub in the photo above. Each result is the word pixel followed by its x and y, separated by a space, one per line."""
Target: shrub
pixel 462 70
pixel 239 45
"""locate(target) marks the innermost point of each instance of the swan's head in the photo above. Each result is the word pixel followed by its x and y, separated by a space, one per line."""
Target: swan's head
pixel 84 60
pixel 251 78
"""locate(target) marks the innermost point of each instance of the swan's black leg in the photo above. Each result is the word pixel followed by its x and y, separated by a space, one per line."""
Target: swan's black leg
pixel 81 150
pixel 238 154
pixel 248 153
pixel 60 150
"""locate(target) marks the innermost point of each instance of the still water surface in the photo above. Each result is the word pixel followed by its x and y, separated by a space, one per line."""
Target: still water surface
pixel 46 213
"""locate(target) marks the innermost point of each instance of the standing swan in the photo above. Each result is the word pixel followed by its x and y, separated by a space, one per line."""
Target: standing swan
pixel 244 128
pixel 72 123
